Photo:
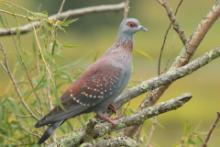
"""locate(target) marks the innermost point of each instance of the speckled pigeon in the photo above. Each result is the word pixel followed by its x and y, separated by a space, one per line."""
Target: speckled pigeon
pixel 99 85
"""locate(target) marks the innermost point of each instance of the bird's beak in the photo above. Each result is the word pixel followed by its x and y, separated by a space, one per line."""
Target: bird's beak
pixel 143 28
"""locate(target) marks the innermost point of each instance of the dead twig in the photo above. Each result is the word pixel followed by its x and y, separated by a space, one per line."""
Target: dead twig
pixel 212 128
pixel 61 6
pixel 6 68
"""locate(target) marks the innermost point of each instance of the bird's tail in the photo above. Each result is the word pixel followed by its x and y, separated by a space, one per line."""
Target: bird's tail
pixel 49 132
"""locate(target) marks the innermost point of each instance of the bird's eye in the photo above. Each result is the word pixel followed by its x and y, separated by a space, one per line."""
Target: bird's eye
pixel 131 24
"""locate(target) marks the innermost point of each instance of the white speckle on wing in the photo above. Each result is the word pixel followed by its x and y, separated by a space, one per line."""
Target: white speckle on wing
pixel 84 93
pixel 79 102
pixel 100 97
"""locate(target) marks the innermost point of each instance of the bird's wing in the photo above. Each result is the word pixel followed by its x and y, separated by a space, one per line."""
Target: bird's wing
pixel 97 84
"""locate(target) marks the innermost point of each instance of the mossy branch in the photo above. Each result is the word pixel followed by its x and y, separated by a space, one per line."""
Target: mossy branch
pixel 100 129
pixel 168 77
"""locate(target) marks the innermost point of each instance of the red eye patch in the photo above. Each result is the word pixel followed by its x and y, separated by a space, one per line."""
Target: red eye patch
pixel 131 24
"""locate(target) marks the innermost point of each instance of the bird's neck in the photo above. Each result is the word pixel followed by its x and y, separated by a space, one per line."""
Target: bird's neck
pixel 125 41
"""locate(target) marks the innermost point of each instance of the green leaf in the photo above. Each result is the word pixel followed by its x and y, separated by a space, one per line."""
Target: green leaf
pixel 143 53
pixel 2 21
pixel 66 23
pixel 70 45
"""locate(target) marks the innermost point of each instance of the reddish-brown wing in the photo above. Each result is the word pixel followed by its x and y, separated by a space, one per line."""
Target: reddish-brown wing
pixel 97 84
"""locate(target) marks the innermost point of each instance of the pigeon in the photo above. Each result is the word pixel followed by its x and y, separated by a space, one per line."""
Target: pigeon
pixel 96 88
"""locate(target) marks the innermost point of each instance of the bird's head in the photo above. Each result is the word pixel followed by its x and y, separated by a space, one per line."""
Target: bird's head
pixel 130 26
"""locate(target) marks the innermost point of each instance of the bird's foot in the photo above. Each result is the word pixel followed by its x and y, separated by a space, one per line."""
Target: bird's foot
pixel 112 108
pixel 106 118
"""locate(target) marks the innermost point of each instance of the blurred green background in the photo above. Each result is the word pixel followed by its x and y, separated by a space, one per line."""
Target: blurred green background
pixel 94 33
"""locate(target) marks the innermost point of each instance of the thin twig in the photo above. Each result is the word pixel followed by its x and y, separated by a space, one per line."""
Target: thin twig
pixel 49 72
pixel 126 8
pixel 29 132
pixel 5 66
pixel 151 132
pixel 212 128
pixel 31 83
pixel 17 15
pixel 165 39
pixel 67 14
pixel 61 6
pixel 41 54
pixel 173 20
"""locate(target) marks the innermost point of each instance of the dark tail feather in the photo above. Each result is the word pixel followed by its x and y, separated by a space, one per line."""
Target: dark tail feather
pixel 57 115
pixel 49 132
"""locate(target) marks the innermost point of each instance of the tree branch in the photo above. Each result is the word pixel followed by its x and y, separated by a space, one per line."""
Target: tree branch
pixel 168 77
pixel 63 15
pixel 139 117
pixel 113 142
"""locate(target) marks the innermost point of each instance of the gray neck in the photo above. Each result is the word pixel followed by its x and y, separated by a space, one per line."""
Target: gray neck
pixel 125 40
pixel 125 36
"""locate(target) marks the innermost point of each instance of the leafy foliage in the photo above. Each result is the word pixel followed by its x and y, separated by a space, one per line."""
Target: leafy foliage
pixel 40 80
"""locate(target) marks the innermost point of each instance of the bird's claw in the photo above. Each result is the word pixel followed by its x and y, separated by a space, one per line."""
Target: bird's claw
pixel 112 108
pixel 106 118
